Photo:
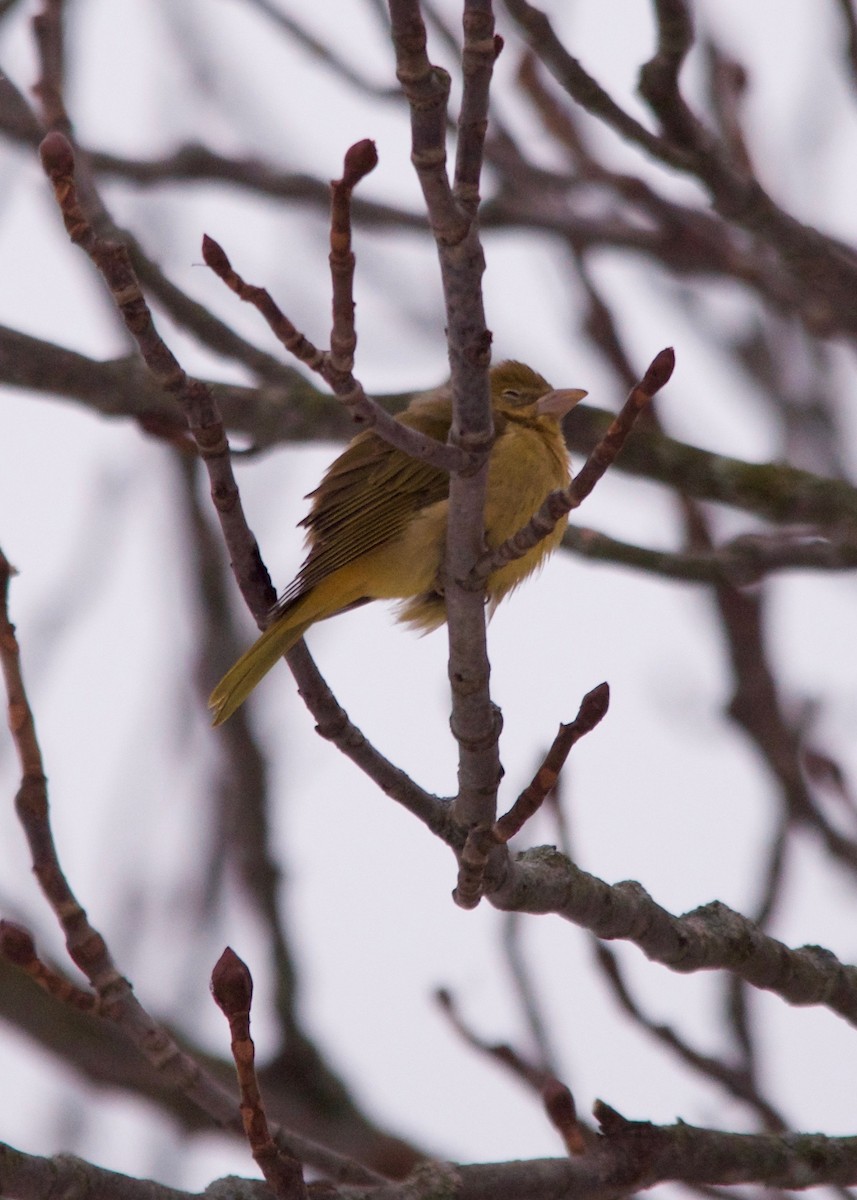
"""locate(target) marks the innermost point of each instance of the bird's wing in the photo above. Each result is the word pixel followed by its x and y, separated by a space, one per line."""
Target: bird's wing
pixel 365 499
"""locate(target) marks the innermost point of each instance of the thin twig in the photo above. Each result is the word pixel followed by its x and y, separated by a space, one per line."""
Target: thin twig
pixel 334 724
pixel 19 949
pixel 479 53
pixel 556 1097
pixel 113 262
pixel 513 1060
pixel 481 843
pixel 512 941
pixel 350 392
pixel 232 988
pixel 86 947
pixel 359 161
pixel 593 708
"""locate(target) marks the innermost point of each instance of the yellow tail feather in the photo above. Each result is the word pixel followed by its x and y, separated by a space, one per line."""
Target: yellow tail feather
pixel 237 684
pixel 338 592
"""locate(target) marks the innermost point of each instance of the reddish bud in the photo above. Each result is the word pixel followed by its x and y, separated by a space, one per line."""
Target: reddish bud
pixel 360 159
pixel 231 984
pixel 659 372
pixel 16 944
pixel 559 1105
pixel 594 705
pixel 57 155
pixel 214 256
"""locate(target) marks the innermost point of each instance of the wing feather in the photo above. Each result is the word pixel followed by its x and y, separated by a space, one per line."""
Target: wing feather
pixel 366 498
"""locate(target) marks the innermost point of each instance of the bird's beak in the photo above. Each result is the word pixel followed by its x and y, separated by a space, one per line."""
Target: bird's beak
pixel 560 401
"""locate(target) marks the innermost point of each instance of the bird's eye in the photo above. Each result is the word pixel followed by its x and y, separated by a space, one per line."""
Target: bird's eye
pixel 511 394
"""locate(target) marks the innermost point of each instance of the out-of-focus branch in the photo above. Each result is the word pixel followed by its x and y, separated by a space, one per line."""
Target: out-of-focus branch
pixel 556 1097
pixel 826 267
pixel 775 491
pixel 757 708
pixel 849 16
pixel 735 1079
pixel 299 412
pixel 740 561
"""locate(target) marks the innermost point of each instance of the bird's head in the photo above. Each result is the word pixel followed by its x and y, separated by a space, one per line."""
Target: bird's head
pixel 519 391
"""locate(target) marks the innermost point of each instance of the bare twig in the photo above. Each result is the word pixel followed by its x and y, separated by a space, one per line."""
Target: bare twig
pixel 556 1097
pixel 727 87
pixel 47 28
pixel 593 708
pixel 232 988
pixel 481 843
pixel 359 161
pixel 526 991
pixel 362 408
pixel 481 49
pixel 560 1107
pixel 111 259
pixel 334 724
pixel 531 1074
pixel 86 947
pixel 18 948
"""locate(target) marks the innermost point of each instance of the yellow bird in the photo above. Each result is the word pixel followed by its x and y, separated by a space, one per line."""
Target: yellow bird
pixel 377 525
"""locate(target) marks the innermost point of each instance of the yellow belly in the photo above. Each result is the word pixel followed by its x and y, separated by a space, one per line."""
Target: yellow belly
pixel 525 467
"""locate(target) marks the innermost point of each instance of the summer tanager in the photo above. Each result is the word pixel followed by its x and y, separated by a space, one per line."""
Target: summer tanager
pixel 377 526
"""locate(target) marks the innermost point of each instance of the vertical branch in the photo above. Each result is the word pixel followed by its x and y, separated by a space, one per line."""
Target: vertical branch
pixel 481 48
pixel 232 989
pixel 475 721
pixel 361 158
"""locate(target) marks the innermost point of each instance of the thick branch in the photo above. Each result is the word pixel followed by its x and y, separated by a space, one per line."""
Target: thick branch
pixel 712 937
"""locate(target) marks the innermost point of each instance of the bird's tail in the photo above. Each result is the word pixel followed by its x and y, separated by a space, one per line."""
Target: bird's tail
pixel 239 681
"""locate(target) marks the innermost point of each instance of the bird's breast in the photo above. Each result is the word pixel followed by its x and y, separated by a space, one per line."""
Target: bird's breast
pixel 527 464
